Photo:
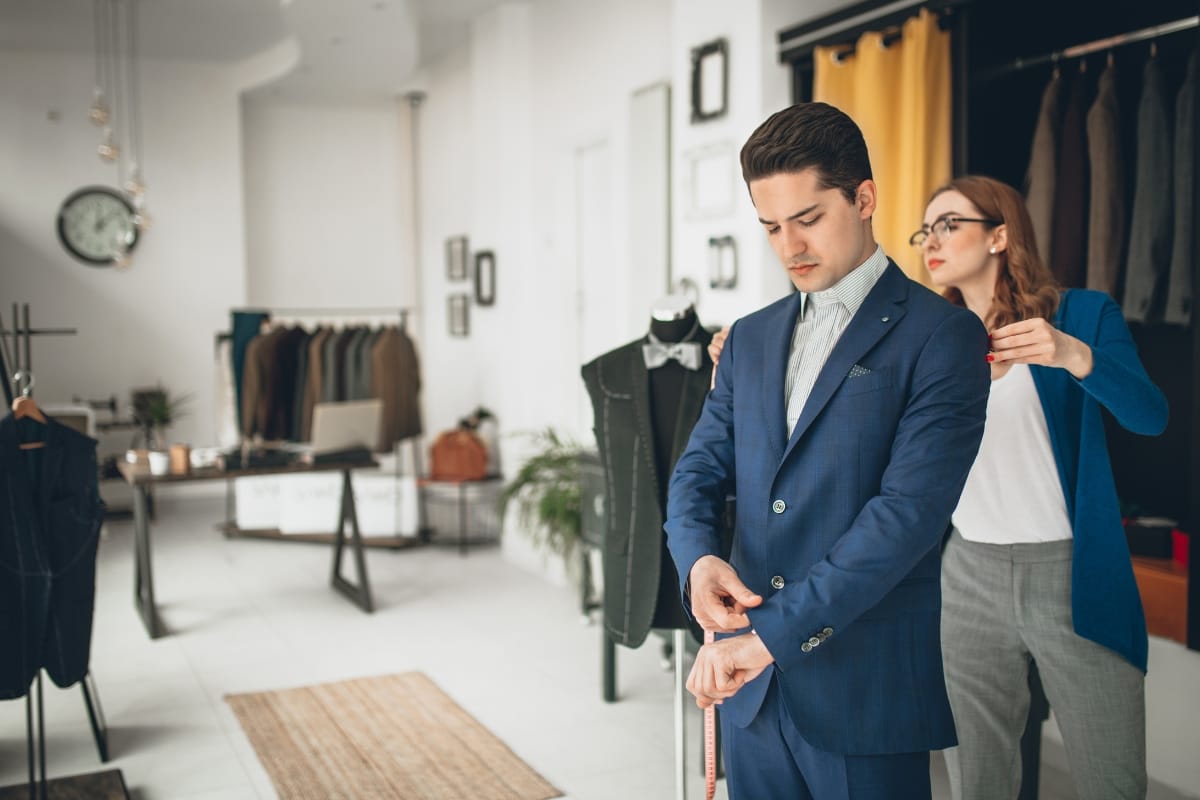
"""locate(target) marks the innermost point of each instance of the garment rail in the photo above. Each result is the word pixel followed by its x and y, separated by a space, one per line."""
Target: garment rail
pixel 326 313
pixel 1079 50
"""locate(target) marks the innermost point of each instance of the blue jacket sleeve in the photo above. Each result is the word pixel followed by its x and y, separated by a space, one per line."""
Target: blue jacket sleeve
pixel 703 477
pixel 1118 381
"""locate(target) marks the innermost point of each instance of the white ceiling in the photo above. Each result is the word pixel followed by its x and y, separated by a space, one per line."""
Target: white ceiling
pixel 347 49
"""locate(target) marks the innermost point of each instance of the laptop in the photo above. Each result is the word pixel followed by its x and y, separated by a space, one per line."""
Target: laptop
pixel 345 427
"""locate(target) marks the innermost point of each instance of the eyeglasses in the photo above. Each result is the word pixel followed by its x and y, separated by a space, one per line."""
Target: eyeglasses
pixel 943 227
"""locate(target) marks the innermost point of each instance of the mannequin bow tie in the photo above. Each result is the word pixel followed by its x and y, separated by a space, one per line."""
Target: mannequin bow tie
pixel 689 354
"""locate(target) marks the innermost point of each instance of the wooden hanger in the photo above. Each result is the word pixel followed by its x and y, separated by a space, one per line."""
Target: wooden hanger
pixel 25 407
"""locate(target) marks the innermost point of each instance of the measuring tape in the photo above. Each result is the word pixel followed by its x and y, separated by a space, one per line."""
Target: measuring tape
pixel 710 741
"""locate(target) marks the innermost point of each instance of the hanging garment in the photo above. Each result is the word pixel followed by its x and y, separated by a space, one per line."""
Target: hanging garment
pixel 636 478
pixel 1183 250
pixel 1068 259
pixel 396 380
pixel 50 518
pixel 312 388
pixel 1043 160
pixel 245 325
pixel 1106 211
pixel 1150 231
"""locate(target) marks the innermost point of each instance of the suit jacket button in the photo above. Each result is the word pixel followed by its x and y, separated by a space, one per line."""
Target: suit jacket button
pixel 814 641
pixel 806 648
pixel 779 506
pixel 777 582
pixel 828 632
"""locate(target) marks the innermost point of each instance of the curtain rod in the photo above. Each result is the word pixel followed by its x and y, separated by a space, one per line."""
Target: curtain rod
pixel 799 40
pixel 1078 50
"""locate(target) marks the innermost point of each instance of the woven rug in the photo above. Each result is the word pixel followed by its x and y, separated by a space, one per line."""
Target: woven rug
pixel 395 736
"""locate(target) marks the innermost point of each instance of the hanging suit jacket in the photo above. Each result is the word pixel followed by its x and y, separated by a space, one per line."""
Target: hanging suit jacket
pixel 1106 211
pixel 1183 251
pixel 395 378
pixel 1068 256
pixel 50 518
pixel 839 525
pixel 1150 231
pixel 619 387
pixel 1043 158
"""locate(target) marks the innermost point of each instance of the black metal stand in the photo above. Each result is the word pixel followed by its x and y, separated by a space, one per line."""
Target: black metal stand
pixel 35 732
pixel 360 595
pixel 143 574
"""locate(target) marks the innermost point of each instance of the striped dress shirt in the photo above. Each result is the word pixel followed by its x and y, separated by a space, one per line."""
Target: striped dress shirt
pixel 824 317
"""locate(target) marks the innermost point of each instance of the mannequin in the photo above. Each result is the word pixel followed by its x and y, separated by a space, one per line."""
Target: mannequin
pixel 644 415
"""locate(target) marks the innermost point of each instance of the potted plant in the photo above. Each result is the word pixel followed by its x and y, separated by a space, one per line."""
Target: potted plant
pixel 153 411
pixel 546 490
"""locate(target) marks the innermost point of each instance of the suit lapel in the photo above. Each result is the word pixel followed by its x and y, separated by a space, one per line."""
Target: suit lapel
pixel 641 407
pixel 878 315
pixel 778 348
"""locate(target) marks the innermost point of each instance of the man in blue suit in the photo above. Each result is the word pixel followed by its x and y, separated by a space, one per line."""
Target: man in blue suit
pixel 844 418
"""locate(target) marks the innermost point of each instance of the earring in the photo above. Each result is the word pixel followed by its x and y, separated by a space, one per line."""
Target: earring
pixel 992 250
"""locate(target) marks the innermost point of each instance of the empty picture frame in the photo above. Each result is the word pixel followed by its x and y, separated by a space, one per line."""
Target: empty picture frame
pixel 722 262
pixel 456 312
pixel 485 278
pixel 710 80
pixel 456 258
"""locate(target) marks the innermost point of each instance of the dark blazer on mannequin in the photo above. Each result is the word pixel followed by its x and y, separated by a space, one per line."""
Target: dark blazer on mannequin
pixel 50 517
pixel 840 524
pixel 619 385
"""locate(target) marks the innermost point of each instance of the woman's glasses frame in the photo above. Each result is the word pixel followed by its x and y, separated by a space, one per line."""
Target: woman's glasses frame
pixel 943 227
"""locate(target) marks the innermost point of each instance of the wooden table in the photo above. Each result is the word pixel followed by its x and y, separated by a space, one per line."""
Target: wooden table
pixel 142 482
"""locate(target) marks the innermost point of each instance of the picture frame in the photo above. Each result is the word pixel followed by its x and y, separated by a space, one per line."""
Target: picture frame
pixel 458 318
pixel 710 80
pixel 722 262
pixel 456 258
pixel 485 278
pixel 710 180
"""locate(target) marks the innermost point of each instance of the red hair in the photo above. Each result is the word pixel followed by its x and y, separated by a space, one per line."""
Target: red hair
pixel 1025 287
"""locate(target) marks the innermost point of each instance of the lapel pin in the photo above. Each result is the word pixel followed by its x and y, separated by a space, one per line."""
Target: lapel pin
pixel 884 319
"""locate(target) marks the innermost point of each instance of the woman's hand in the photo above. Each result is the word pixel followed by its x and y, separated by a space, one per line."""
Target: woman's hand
pixel 714 352
pixel 1036 341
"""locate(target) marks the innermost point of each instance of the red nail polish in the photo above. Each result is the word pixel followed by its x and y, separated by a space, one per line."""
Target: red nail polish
pixel 990 358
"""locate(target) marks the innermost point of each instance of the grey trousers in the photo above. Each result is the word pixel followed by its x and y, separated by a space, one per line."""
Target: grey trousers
pixel 1001 606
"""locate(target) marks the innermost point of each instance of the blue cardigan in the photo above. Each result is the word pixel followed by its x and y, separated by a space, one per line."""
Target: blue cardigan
pixel 1105 604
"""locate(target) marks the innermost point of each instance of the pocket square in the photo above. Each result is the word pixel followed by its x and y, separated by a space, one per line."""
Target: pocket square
pixel 857 371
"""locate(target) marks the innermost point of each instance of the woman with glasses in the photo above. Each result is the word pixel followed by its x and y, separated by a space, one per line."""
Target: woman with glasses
pixel 1037 566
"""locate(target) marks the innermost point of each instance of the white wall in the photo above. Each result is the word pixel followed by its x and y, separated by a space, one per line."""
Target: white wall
pixel 500 132
pixel 327 217
pixel 155 321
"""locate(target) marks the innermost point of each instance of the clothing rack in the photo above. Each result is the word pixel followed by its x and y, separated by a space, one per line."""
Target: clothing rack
pixel 1079 50
pixel 229 527
pixel 18 360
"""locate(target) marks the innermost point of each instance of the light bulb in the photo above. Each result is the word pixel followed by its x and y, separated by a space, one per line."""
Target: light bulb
pixel 134 185
pixel 122 260
pixel 143 221
pixel 98 113
pixel 108 149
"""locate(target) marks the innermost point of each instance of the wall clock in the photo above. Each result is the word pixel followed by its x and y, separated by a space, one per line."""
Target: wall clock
pixel 97 225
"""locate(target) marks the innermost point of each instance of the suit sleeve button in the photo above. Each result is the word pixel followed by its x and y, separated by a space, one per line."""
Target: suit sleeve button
pixel 779 506
pixel 828 632
pixel 777 582
pixel 814 641
pixel 806 648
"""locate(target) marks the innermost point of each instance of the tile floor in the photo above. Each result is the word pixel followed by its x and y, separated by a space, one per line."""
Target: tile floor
pixel 249 615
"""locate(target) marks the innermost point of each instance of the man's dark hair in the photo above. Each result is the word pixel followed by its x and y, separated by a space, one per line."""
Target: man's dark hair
pixel 809 136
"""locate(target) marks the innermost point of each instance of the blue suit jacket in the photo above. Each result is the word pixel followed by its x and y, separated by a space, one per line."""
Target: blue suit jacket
pixel 849 511
pixel 1105 604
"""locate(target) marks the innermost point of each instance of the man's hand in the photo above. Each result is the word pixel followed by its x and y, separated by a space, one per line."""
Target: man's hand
pixel 725 666
pixel 714 352
pixel 719 598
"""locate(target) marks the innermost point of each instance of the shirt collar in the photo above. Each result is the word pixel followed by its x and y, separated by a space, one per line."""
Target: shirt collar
pixel 852 289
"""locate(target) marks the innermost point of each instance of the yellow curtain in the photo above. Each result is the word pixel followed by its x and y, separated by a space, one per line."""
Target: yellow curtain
pixel 900 96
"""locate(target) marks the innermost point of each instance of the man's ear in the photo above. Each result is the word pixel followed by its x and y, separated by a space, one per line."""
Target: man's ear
pixel 865 198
